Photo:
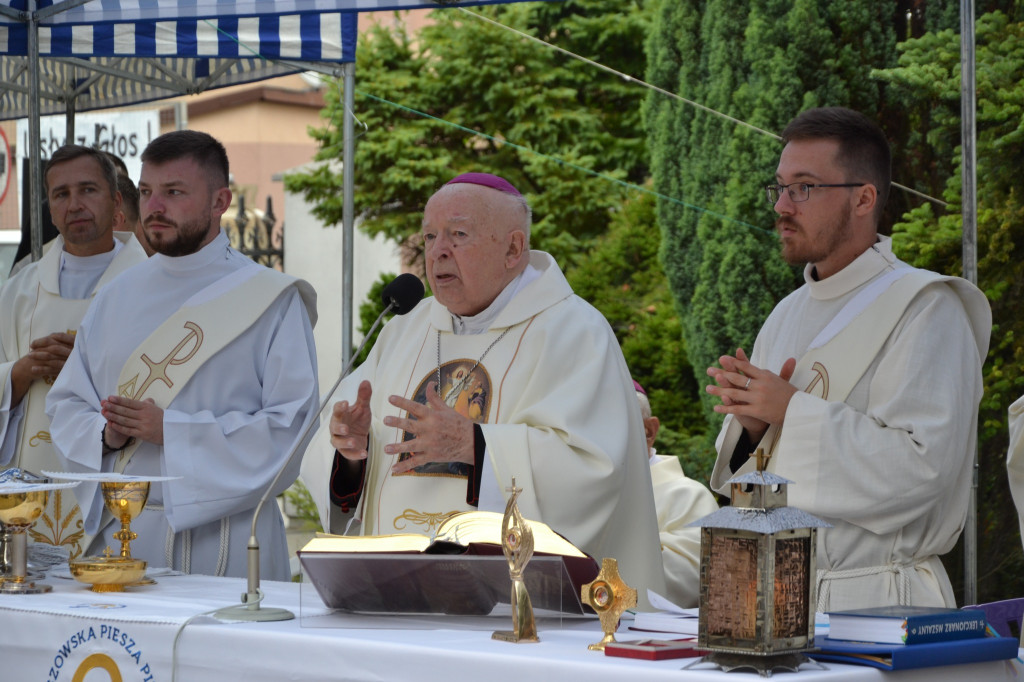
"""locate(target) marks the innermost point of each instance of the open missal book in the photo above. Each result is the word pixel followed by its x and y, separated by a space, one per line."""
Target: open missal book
pixel 462 570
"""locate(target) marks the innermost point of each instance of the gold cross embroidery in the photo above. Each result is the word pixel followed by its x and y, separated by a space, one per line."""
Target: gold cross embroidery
pixel 158 370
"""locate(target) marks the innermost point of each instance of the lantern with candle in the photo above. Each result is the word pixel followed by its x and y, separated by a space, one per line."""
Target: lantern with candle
pixel 757 587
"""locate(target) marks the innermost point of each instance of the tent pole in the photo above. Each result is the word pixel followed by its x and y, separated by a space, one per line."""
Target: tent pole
pixel 69 122
pixel 181 115
pixel 969 215
pixel 348 210
pixel 35 175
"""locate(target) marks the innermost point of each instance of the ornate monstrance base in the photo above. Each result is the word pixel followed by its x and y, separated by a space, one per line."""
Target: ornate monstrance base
pixel 509 636
pixel 763 665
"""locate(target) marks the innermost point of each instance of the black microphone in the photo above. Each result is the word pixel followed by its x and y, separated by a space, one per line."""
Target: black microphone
pixel 400 296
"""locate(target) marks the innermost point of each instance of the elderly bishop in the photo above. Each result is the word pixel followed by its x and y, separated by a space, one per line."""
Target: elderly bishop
pixel 504 373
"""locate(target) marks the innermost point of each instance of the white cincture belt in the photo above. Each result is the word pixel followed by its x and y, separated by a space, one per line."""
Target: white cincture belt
pixel 902 571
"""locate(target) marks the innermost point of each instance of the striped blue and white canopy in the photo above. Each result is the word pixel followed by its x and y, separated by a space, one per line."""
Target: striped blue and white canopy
pixel 94 11
pixel 115 63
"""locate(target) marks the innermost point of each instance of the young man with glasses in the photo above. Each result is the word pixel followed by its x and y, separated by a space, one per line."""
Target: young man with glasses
pixel 863 385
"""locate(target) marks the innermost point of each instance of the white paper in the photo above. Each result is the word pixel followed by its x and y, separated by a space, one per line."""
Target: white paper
pixel 107 477
pixel 14 487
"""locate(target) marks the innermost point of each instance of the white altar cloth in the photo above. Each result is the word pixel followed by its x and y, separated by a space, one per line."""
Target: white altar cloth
pixel 47 637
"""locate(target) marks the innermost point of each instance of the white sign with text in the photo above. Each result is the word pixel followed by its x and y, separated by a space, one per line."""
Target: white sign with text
pixel 123 133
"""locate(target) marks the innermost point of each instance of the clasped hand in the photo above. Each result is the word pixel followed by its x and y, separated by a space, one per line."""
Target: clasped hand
pixel 439 433
pixel 128 418
pixel 755 397
pixel 45 360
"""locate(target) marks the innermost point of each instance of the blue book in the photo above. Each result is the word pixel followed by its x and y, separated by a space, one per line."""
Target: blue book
pixel 906 624
pixel 900 657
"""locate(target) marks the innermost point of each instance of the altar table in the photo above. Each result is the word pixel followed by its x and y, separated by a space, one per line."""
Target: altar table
pixel 160 633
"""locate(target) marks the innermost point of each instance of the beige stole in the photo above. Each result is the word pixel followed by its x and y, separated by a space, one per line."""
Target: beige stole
pixel 837 359
pixel 211 319
pixel 61 523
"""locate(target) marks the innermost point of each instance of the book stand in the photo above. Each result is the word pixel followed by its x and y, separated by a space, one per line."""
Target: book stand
pixel 378 587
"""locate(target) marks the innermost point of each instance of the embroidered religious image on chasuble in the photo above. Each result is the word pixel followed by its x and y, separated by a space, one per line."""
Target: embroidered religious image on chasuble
pixel 466 387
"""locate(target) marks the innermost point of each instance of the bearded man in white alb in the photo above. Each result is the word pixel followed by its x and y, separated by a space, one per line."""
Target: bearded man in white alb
pixel 197 365
pixel 41 307
pixel 876 425
pixel 504 373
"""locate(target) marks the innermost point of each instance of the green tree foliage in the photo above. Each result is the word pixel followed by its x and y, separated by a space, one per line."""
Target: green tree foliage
pixel 302 507
pixel 511 90
pixel 621 276
pixel 927 84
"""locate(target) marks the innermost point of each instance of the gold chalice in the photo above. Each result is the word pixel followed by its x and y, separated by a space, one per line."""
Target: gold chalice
pixel 18 511
pixel 125 500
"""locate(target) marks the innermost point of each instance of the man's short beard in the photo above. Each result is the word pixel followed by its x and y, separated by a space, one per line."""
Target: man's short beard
pixel 186 242
pixel 832 239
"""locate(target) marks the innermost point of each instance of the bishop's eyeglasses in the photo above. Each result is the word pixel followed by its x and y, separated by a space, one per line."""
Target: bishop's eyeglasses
pixel 800 191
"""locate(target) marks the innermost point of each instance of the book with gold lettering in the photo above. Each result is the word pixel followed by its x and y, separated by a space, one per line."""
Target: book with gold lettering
pixel 461 570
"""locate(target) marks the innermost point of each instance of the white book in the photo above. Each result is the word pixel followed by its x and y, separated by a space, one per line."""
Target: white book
pixel 663 621
pixel 669 617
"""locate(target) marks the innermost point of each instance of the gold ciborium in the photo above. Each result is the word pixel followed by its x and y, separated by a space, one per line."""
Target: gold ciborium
pixel 125 500
pixel 108 573
pixel 20 507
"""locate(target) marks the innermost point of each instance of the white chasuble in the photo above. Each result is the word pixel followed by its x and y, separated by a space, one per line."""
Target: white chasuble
pixel 888 463
pixel 227 431
pixel 1015 458
pixel 32 308
pixel 557 409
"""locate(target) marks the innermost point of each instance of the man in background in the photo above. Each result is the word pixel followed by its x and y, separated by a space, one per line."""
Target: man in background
pixel 678 501
pixel 42 307
pixel 130 221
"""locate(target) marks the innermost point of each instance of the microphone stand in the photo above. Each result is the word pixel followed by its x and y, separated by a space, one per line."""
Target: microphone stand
pixel 249 609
